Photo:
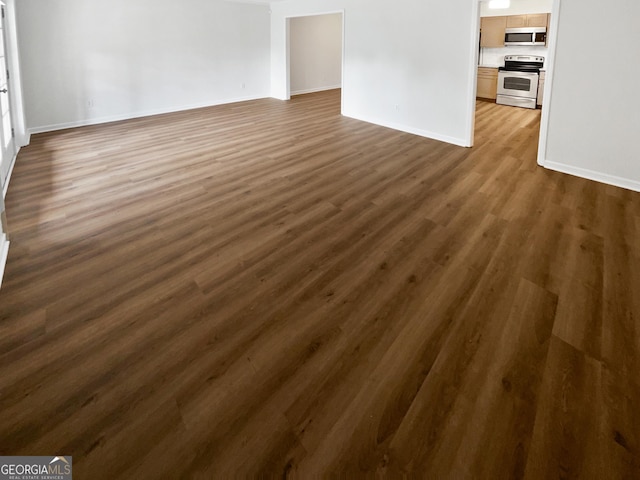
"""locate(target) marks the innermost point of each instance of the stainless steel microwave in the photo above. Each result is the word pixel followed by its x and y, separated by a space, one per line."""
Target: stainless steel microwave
pixel 525 36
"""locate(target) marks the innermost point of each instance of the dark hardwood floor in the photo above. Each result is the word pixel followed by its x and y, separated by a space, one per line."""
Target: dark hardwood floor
pixel 268 289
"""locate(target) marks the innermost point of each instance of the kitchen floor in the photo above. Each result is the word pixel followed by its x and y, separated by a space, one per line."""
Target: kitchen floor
pixel 517 129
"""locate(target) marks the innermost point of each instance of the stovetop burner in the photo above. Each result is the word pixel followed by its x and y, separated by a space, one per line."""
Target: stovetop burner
pixel 522 63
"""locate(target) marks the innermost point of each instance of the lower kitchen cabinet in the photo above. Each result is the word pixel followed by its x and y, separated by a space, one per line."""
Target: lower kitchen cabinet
pixel 487 83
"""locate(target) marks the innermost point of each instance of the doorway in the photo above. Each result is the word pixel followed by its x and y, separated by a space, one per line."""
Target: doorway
pixel 315 53
pixel 491 53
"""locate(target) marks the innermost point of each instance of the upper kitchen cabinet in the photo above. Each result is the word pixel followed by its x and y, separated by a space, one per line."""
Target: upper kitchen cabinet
pixel 531 20
pixel 492 31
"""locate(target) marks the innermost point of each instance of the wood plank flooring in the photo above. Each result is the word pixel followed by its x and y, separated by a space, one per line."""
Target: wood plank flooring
pixel 270 290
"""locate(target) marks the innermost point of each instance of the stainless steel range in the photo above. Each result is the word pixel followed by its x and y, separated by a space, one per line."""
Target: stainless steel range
pixel 518 80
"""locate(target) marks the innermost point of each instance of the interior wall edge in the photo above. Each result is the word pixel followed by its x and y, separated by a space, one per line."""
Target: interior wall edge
pixel 596 176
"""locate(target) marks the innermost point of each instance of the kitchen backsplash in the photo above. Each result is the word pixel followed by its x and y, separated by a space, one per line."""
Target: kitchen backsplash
pixel 494 57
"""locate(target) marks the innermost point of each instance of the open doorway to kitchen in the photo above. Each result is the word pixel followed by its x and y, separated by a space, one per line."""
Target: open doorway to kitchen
pixel 315 53
pixel 515 58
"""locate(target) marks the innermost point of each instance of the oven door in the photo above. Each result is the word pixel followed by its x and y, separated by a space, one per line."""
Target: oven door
pixel 518 84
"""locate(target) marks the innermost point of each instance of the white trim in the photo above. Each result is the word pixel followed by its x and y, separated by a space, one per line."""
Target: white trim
pixel 6 181
pixel 472 81
pixel 287 40
pixel 550 64
pixel 461 142
pixel 287 60
pixel 15 82
pixel 344 42
pixel 314 90
pixel 4 254
pixel 593 175
pixel 132 115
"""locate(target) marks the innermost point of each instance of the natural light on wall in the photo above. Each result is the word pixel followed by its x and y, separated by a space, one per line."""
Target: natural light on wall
pixel 499 3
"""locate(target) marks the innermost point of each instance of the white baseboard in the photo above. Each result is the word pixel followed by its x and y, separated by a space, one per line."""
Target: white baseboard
pixel 6 183
pixel 460 142
pixel 593 175
pixel 314 90
pixel 4 254
pixel 131 115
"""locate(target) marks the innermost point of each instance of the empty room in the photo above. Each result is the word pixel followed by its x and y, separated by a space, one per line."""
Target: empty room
pixel 319 239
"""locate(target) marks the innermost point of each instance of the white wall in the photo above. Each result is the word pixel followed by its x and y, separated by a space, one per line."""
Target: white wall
pixel 593 112
pixel 86 61
pixel 316 53
pixel 406 66
pixel 517 7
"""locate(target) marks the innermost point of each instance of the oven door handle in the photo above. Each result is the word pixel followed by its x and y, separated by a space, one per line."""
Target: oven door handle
pixel 518 74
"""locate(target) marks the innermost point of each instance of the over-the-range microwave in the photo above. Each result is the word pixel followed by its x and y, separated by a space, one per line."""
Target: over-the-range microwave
pixel 525 36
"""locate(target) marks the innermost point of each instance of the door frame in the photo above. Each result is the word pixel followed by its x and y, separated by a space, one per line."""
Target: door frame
pixel 288 50
pixel 16 102
pixel 550 63
pixel 548 82
pixel 17 115
pixel 8 146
